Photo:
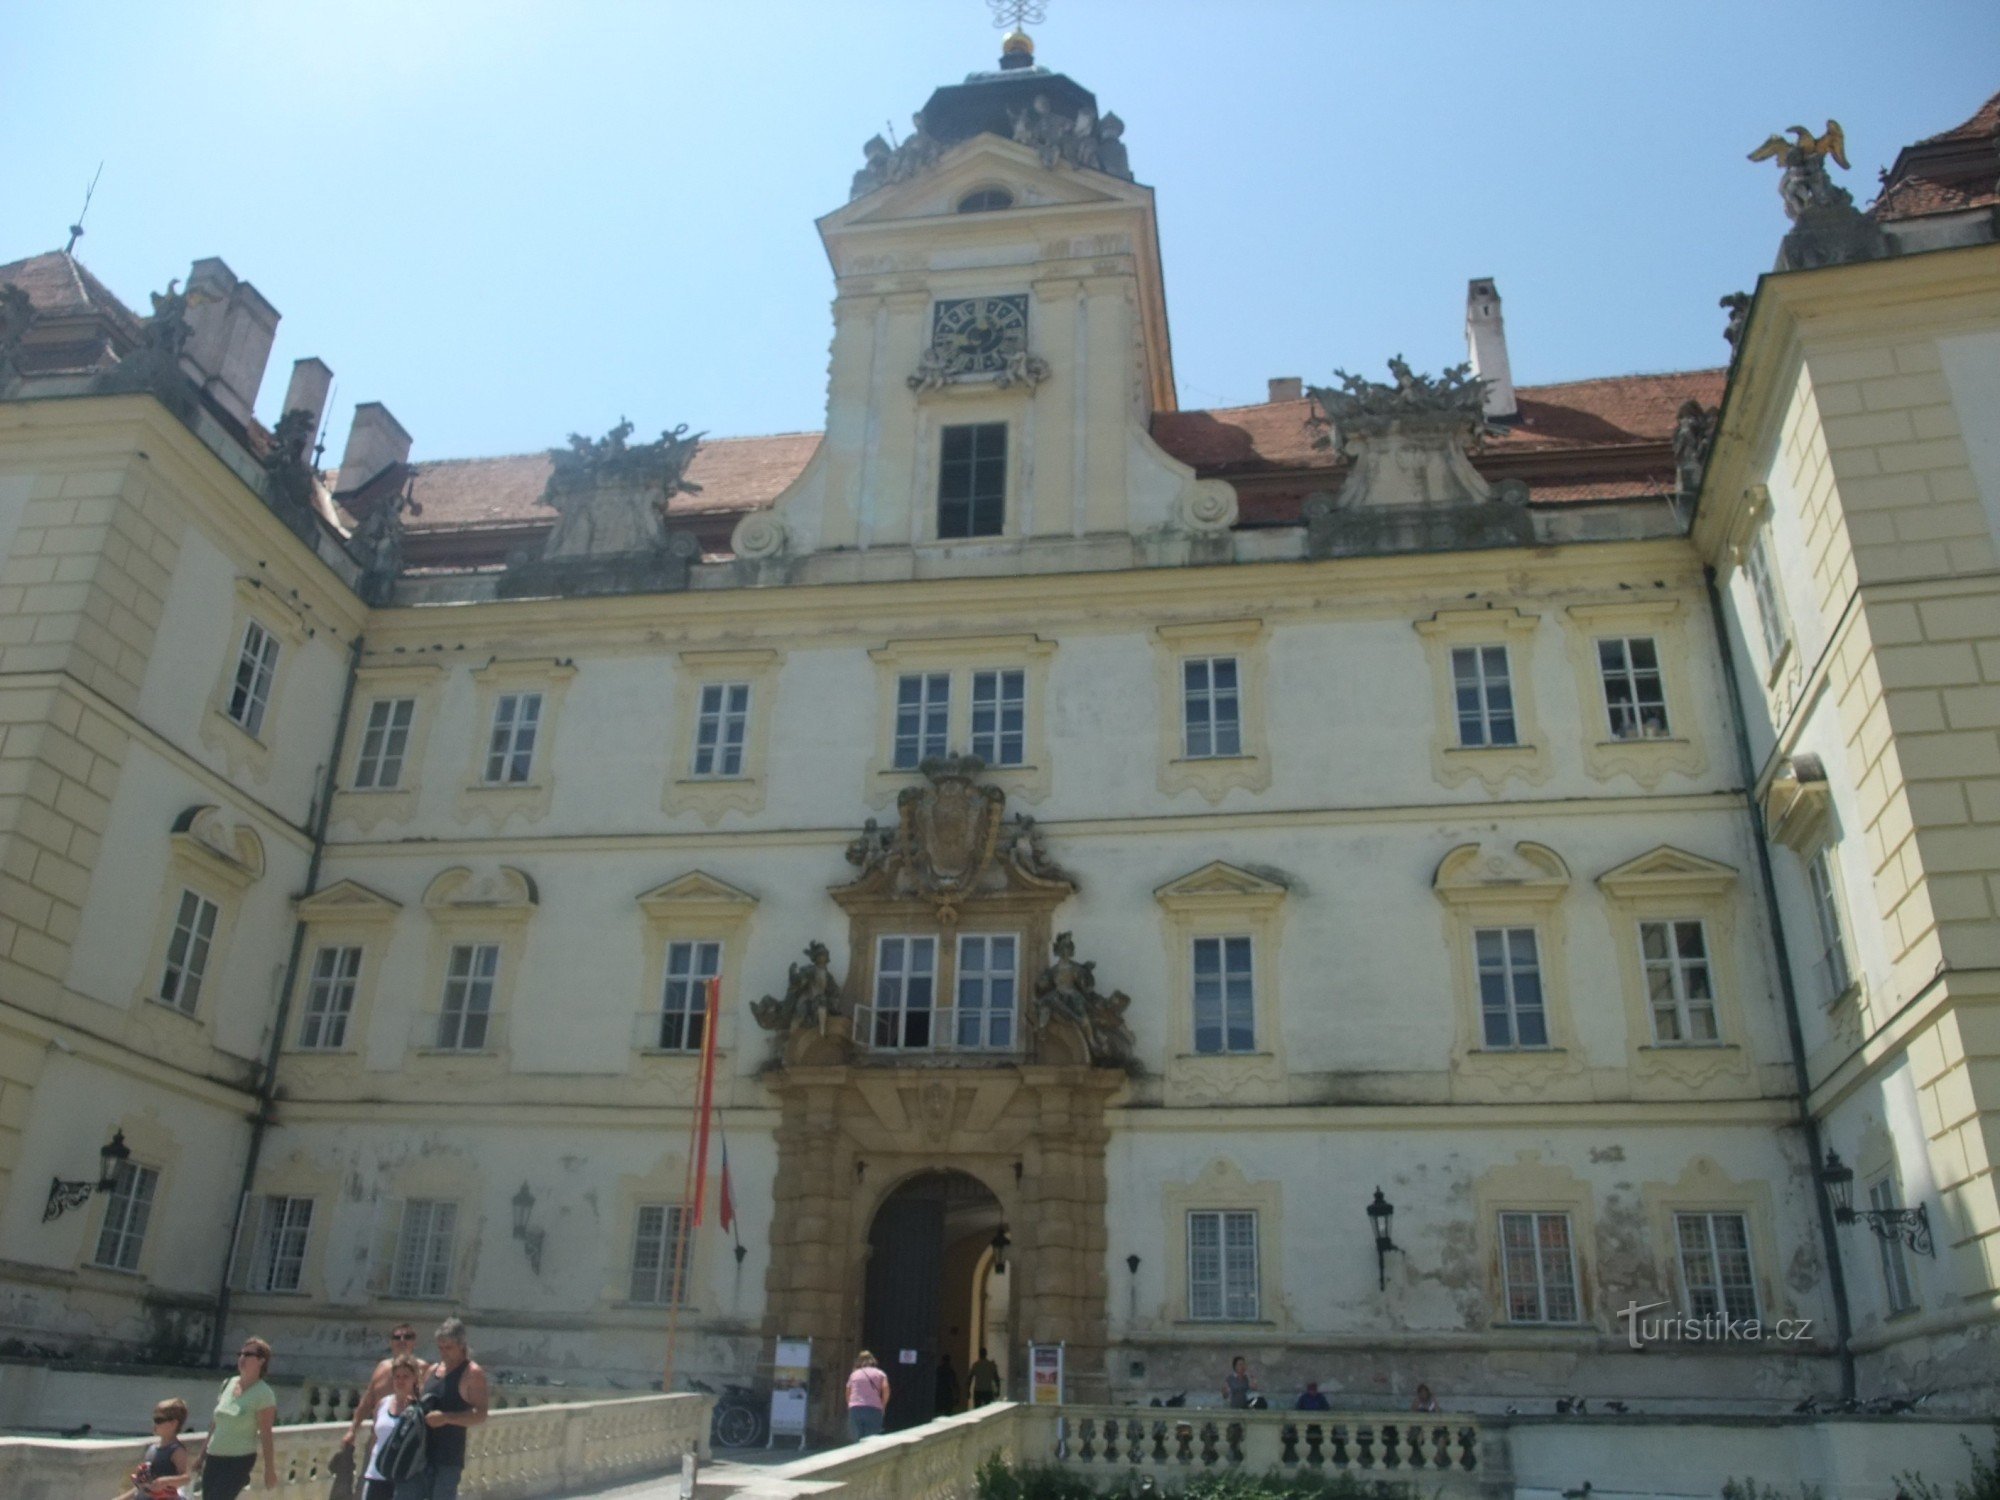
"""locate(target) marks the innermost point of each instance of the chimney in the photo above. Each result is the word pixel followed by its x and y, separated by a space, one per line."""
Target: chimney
pixel 311 381
pixel 1287 388
pixel 1486 346
pixel 374 442
pixel 233 327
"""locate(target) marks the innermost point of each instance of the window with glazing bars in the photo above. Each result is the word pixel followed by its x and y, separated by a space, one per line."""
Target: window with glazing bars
pixel 468 997
pixel 684 1007
pixel 256 666
pixel 1000 717
pixel 1715 1265
pixel 1896 1290
pixel 972 480
pixel 905 992
pixel 1484 696
pixel 1222 1265
pixel 384 742
pixel 189 947
pixel 510 752
pixel 127 1208
pixel 1225 1000
pixel 923 718
pixel 278 1258
pixel 1831 968
pixel 423 1249
pixel 1211 708
pixel 1512 1009
pixel 1538 1264
pixel 987 985
pixel 721 727
pixel 1680 986
pixel 1764 586
pixel 659 1251
pixel 336 972
pixel 1634 693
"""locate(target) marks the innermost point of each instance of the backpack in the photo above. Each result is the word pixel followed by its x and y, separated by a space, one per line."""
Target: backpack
pixel 403 1454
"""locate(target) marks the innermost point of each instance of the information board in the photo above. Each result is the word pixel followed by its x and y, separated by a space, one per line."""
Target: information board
pixel 1045 1374
pixel 791 1382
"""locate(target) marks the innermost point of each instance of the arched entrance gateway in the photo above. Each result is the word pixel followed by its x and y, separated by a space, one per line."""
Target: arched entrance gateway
pixel 952 1085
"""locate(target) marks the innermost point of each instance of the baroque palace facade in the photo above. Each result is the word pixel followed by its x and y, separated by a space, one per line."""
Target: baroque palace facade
pixel 1127 838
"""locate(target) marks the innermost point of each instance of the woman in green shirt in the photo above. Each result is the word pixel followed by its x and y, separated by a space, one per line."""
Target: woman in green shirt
pixel 246 1412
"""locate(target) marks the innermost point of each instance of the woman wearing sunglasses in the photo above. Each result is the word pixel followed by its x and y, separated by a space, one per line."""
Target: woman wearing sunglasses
pixel 246 1414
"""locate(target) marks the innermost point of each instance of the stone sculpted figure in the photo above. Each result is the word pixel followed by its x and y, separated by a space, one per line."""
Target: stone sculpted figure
pixel 874 173
pixel 1737 304
pixel 1694 436
pixel 1028 853
pixel 610 495
pixel 1067 991
pixel 378 540
pixel 1111 154
pixel 868 852
pixel 916 153
pixel 811 995
pixel 1805 185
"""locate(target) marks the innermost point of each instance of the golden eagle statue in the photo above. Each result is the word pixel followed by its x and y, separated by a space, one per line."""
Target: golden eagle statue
pixel 1805 147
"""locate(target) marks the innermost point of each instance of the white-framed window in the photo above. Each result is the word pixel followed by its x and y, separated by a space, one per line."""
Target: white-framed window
pixel 1538 1265
pixel 1222 1265
pixel 1211 707
pixel 127 1207
pixel 684 1005
pixel 659 1250
pixel 1680 982
pixel 1484 696
pixel 467 1013
pixel 1715 1265
pixel 510 751
pixel 722 726
pixel 336 973
pixel 923 718
pixel 278 1256
pixel 1513 1011
pixel 1830 968
pixel 256 667
pixel 1764 586
pixel 1225 995
pixel 988 990
pixel 423 1249
pixel 1635 694
pixel 384 742
pixel 1000 716
pixel 1896 1290
pixel 905 992
pixel 189 948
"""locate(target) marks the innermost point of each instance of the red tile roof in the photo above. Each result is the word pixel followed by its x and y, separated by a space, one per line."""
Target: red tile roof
pixel 1951 172
pixel 59 285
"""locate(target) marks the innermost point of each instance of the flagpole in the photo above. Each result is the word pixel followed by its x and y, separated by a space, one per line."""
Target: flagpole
pixel 694 1179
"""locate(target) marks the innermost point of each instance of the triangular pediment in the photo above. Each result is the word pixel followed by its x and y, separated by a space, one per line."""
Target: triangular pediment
pixel 1667 869
pixel 985 161
pixel 697 890
pixel 1220 881
pixel 347 901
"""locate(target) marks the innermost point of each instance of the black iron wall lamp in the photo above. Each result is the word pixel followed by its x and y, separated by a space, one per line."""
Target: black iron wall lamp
pixel 66 1193
pixel 1910 1225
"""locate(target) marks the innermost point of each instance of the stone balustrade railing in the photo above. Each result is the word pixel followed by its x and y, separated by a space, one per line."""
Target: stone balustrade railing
pixel 937 1461
pixel 1452 1455
pixel 522 1454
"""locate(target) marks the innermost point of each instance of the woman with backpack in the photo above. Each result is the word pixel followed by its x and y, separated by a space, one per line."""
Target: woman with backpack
pixel 396 1452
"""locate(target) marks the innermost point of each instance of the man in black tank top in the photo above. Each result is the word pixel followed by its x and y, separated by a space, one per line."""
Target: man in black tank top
pixel 454 1398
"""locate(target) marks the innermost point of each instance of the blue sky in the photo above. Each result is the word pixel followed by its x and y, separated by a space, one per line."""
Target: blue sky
pixel 509 220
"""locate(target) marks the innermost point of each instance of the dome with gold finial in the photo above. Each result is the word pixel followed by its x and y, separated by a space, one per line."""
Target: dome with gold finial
pixel 1017 43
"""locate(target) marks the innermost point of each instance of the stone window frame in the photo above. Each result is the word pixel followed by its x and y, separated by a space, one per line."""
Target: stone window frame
pixel 969 403
pixel 297 1175
pixel 1647 761
pixel 467 909
pixel 1528 1184
pixel 501 802
pixel 1703 1187
pixel 1222 1186
pixel 346 914
pixel 1221 900
pixel 1799 814
pixel 1527 886
pixel 695 907
pixel 246 754
pixel 219 861
pixel 665 1183
pixel 362 808
pixel 962 656
pixel 448 1176
pixel 1248 640
pixel 1492 765
pixel 709 797
pixel 1671 884
pixel 155 1147
pixel 1776 668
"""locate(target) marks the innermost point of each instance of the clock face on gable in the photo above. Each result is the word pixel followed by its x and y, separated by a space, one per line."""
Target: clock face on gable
pixel 974 335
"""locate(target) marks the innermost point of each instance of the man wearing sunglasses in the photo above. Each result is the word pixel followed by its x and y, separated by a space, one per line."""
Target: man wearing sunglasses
pixel 402 1340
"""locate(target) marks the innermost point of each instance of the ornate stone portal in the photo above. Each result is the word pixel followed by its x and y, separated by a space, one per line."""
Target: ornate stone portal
pixel 857 1119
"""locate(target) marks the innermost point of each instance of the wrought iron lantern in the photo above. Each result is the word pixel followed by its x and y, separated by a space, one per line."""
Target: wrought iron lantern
pixel 529 1236
pixel 1380 1212
pixel 66 1193
pixel 1910 1225
pixel 999 1245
